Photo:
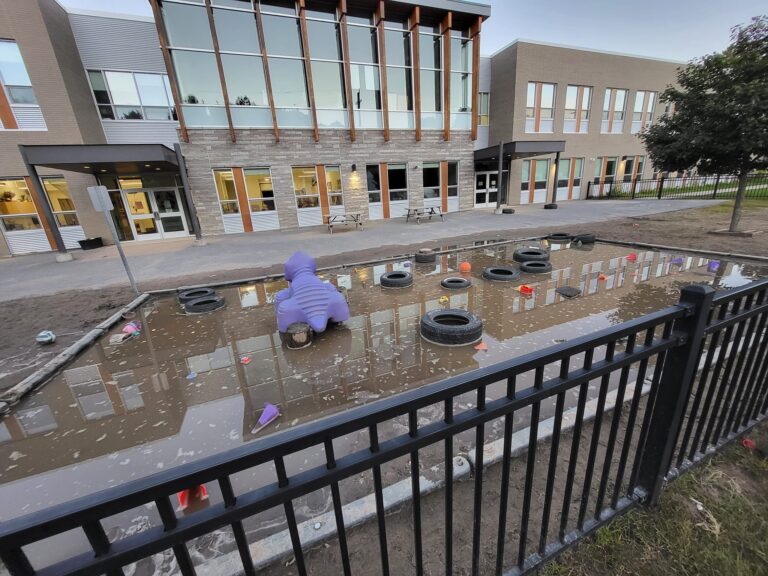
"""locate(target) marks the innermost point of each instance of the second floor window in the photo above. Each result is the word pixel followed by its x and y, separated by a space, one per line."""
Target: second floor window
pixel 642 115
pixel 540 107
pixel 577 104
pixel 484 112
pixel 614 110
pixel 132 96
pixel 15 82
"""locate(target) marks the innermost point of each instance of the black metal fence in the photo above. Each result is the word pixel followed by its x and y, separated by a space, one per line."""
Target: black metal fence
pixel 721 187
pixel 670 388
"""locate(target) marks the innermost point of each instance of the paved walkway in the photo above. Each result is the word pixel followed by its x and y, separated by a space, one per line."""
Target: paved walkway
pixel 39 274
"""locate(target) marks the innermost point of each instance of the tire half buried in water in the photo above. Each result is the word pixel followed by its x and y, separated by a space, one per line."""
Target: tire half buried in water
pixel 501 273
pixel 455 283
pixel 396 279
pixel 530 255
pixel 536 267
pixel 451 327
pixel 204 304
pixel 194 293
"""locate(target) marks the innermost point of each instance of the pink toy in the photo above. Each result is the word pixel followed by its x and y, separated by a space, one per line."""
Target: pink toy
pixel 131 328
pixel 308 299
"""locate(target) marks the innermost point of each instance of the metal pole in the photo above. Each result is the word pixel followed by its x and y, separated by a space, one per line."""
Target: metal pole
pixel 501 175
pixel 187 192
pixel 554 180
pixel 113 230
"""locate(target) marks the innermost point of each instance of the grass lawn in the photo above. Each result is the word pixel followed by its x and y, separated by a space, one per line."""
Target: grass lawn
pixel 750 204
pixel 712 521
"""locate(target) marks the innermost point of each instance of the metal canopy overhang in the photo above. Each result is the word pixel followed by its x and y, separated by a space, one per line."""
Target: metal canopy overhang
pixel 124 159
pixel 432 11
pixel 520 149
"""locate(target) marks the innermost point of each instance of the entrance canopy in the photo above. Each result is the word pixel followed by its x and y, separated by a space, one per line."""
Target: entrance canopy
pixel 518 149
pixel 121 159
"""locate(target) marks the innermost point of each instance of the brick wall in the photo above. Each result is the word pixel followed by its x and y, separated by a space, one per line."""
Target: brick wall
pixel 211 149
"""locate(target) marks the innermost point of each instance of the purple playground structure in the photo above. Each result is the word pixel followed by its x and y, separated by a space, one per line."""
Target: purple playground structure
pixel 308 299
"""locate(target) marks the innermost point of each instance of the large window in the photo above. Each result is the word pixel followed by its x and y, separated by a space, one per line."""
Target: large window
pixel 305 187
pixel 461 80
pixel 633 167
pixel 605 169
pixel 327 68
pixel 61 201
pixel 17 209
pixel 431 180
pixel 397 39
pixel 258 187
pixel 398 182
pixel 540 107
pixel 225 188
pixel 453 179
pixel 18 89
pixel 431 61
pixel 373 183
pixel 333 185
pixel 642 114
pixel 614 110
pixel 577 104
pixel 484 112
pixel 132 96
pixel 365 78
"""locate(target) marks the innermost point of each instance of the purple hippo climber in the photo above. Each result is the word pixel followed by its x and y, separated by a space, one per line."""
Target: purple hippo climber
pixel 308 299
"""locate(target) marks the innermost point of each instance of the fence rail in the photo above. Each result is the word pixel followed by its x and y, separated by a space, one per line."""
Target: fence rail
pixel 720 187
pixel 702 362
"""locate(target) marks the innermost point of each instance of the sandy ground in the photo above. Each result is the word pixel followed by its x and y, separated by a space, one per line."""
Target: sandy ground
pixel 71 314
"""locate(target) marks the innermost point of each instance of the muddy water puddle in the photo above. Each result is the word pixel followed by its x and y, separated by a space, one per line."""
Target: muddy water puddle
pixel 191 386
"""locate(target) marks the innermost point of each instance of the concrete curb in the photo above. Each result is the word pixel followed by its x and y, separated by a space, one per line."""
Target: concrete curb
pixel 318 530
pixel 43 375
pixel 663 248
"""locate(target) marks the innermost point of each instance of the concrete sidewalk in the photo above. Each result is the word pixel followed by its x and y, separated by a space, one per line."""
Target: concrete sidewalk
pixel 39 274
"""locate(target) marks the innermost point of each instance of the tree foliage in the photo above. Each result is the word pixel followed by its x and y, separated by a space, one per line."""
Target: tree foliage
pixel 720 119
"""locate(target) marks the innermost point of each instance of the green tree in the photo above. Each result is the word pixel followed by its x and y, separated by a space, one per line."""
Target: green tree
pixel 720 119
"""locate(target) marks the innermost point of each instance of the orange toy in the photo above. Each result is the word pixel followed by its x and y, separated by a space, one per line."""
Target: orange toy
pixel 526 290
pixel 602 277
pixel 632 257
pixel 190 495
pixel 465 267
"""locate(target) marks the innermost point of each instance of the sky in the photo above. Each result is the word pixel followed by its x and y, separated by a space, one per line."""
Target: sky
pixel 671 29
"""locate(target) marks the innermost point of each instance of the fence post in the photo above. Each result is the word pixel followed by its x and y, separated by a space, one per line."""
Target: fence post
pixel 675 386
pixel 717 183
pixel 661 185
pixel 634 187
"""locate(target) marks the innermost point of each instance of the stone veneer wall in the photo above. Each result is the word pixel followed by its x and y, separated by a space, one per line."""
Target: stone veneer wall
pixel 209 149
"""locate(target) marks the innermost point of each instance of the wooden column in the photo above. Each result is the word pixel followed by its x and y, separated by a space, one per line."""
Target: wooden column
pixel 571 174
pixel 579 98
pixel 611 108
pixel 37 201
pixel 322 187
pixel 384 183
pixel 474 35
pixel 267 80
pixel 537 108
pixel 413 26
pixel 308 67
pixel 342 9
pixel 242 198
pixel 445 31
pixel 7 117
pixel 220 67
pixel 444 186
pixel 172 80
pixel 379 21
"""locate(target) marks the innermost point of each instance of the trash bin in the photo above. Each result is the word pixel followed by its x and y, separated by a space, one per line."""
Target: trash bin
pixel 91 243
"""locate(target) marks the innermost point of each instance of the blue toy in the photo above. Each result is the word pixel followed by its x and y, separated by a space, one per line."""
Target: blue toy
pixel 308 299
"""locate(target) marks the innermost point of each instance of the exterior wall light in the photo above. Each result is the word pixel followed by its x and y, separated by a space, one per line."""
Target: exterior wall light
pixel 354 167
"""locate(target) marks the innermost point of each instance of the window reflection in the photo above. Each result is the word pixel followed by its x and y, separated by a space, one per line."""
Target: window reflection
pixel 244 76
pixel 198 77
pixel 236 31
pixel 289 85
pixel 282 36
pixel 187 26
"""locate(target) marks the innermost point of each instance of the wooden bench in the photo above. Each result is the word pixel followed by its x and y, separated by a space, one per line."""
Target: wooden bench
pixel 419 213
pixel 355 218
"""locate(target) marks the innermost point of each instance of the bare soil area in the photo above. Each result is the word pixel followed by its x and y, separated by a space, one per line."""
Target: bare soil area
pixel 72 314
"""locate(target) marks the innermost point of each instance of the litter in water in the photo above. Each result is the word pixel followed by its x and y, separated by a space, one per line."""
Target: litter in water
pixel 45 337
pixel 269 415
pixel 481 346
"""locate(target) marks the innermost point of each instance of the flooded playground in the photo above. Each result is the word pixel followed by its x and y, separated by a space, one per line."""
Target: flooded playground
pixel 189 386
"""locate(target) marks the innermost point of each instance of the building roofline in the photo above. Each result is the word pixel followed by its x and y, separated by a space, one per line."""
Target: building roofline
pixel 585 49
pixel 104 14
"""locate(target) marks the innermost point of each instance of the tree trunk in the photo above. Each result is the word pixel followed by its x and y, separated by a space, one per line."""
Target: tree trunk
pixel 737 205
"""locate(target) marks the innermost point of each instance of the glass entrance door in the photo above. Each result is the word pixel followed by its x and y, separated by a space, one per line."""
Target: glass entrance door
pixel 155 213
pixel 486 189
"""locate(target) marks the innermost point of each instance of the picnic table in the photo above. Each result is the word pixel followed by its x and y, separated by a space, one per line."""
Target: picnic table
pixel 419 213
pixel 345 219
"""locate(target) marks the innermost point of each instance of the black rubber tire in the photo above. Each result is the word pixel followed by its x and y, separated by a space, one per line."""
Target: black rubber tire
pixel 501 273
pixel 550 206
pixel 507 210
pixel 396 279
pixel 188 295
pixel 530 255
pixel 536 267
pixel 451 327
pixel 204 304
pixel 425 256
pixel 585 238
pixel 560 237
pixel 455 283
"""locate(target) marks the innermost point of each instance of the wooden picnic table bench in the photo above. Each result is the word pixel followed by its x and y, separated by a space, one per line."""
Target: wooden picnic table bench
pixel 419 213
pixel 346 219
